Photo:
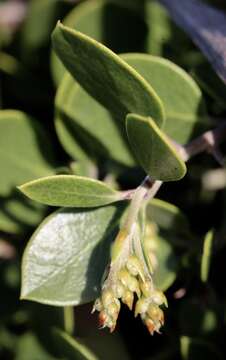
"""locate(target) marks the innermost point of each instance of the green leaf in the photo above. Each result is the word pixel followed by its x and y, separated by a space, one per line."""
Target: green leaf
pixel 196 349
pixel 65 258
pixel 165 271
pixel 168 217
pixel 171 223
pixel 34 36
pixel 105 76
pixel 71 348
pixel 112 22
pixel 23 145
pixel 70 190
pixel 184 104
pixel 206 256
pixel 159 28
pixel 29 347
pixel 83 126
pixel 153 150
pixel 18 214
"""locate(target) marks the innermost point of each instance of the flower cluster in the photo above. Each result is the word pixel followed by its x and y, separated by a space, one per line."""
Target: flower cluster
pixel 129 281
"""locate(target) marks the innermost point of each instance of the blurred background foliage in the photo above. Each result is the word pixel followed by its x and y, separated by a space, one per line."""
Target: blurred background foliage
pixel 34 142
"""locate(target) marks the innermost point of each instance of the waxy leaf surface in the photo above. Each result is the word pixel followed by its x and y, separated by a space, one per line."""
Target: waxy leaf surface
pixel 86 129
pixel 70 190
pixel 105 76
pixel 23 145
pixel 65 258
pixel 116 24
pixel 153 150
pixel 184 105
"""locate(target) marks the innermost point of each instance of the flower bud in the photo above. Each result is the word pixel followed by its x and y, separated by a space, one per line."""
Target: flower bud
pixel 156 314
pixel 118 290
pixel 107 297
pixel 133 286
pixel 113 310
pixel 146 288
pixel 125 277
pixel 102 319
pixel 98 306
pixel 128 298
pixel 141 306
pixel 134 266
pixel 150 325
pixel 159 298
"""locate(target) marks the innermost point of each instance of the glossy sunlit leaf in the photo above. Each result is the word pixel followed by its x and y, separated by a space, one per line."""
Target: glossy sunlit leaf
pixel 182 99
pixel 25 151
pixel 65 259
pixel 105 76
pixel 153 150
pixel 70 190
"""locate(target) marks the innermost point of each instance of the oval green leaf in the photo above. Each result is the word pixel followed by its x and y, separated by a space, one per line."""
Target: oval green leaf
pixel 70 190
pixel 25 152
pixel 186 114
pixel 117 24
pixel 153 150
pixel 65 259
pixel 105 76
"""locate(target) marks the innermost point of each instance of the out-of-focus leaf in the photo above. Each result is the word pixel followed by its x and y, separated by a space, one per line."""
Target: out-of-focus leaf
pixel 34 36
pixel 184 104
pixel 153 150
pixel 70 190
pixel 168 217
pixel 105 76
pixel 29 348
pixel 72 348
pixel 64 260
pixel 165 269
pixel 197 319
pixel 18 214
pixel 85 128
pixel 25 150
pixel 196 349
pixel 211 85
pixel 158 243
pixel 206 26
pixel 206 256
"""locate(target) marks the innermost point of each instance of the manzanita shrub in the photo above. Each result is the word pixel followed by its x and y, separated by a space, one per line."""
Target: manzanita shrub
pixel 137 110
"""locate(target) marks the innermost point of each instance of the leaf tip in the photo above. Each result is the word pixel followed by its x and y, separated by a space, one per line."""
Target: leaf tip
pixel 21 188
